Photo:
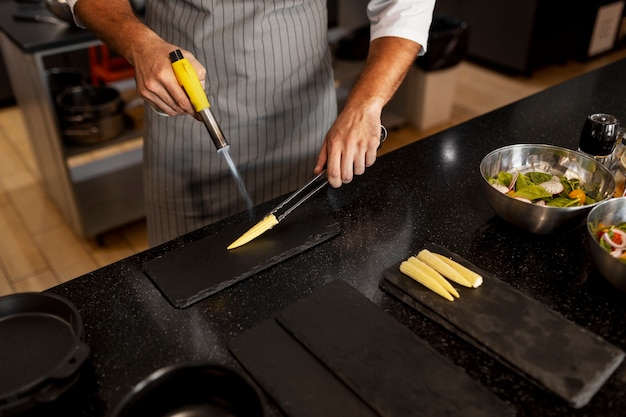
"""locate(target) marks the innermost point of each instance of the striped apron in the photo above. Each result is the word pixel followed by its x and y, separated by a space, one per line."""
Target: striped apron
pixel 270 85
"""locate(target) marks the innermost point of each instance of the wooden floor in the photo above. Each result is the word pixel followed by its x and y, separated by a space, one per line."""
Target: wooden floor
pixel 38 250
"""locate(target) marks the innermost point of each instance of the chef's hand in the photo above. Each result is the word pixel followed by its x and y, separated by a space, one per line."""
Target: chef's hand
pixel 349 147
pixel 351 143
pixel 157 83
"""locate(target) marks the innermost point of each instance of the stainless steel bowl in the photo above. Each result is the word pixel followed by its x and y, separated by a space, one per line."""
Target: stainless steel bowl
pixel 609 212
pixel 598 182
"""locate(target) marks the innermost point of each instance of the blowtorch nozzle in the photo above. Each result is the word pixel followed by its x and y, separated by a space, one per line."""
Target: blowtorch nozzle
pixel 188 79
pixel 214 129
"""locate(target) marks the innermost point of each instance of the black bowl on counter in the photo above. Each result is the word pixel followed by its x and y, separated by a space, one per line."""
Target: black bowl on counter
pixel 192 389
pixel 611 212
pixel 597 181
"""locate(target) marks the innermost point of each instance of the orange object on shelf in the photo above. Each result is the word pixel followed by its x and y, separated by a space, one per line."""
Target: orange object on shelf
pixel 105 66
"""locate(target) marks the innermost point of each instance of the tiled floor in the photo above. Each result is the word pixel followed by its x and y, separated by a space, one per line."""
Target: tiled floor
pixel 38 250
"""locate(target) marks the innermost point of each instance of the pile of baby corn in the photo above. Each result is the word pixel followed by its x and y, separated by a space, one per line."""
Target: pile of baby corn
pixel 431 270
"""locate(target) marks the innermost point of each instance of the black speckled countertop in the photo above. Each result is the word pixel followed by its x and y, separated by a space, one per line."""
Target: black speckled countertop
pixel 425 192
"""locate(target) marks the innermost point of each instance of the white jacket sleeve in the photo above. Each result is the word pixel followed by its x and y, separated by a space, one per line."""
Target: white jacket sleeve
pixel 409 19
pixel 71 3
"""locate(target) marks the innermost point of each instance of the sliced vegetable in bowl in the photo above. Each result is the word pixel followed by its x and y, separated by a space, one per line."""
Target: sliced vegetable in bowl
pixel 542 188
pixel 613 239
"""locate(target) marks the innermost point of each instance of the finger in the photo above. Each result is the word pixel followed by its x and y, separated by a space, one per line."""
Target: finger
pixel 333 170
pixel 358 166
pixel 321 161
pixel 372 151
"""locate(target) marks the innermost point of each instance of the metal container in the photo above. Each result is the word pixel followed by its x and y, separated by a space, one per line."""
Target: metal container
pixel 598 182
pixel 90 114
pixel 60 9
pixel 609 213
pixel 60 79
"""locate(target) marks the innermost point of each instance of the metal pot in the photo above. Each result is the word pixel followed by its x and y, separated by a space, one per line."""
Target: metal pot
pixel 90 114
pixel 60 79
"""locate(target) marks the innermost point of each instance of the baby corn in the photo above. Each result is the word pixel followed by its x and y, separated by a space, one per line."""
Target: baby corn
pixel 443 268
pixel 434 275
pixel 423 278
pixel 475 279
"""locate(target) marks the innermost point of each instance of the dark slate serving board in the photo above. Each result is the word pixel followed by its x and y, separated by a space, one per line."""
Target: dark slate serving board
pixel 521 332
pixel 382 361
pixel 204 267
pixel 300 384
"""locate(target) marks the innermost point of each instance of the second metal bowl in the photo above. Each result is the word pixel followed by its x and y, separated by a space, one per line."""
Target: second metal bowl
pixel 608 213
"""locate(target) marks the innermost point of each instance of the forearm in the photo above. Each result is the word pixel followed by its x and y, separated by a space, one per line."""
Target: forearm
pixel 388 62
pixel 351 144
pixel 115 23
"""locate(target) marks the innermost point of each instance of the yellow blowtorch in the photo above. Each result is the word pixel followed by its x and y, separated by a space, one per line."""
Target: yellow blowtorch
pixel 188 79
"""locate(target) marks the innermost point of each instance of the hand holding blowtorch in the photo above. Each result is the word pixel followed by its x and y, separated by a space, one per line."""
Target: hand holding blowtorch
pixel 188 79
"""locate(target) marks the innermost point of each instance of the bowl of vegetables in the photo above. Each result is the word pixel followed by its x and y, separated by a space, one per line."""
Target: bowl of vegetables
pixel 544 189
pixel 606 228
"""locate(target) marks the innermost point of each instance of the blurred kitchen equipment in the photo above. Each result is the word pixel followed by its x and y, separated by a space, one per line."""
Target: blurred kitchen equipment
pixel 139 6
pixel 60 9
pixel 619 174
pixel 618 151
pixel 609 213
pixel 599 135
pixel 41 349
pixel 90 114
pixel 597 179
pixel 60 79
pixel 197 390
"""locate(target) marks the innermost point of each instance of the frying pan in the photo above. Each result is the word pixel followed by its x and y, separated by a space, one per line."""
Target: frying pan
pixel 192 390
pixel 41 349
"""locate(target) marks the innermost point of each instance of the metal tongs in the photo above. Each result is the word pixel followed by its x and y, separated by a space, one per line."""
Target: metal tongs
pixel 295 200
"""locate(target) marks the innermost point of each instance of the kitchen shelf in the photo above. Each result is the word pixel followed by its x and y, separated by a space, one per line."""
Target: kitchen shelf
pixel 72 150
pixel 109 191
pixel 95 196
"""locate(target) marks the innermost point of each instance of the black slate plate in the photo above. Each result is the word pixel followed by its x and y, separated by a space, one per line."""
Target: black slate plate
pixel 204 267
pixel 521 332
pixel 383 362
pixel 300 384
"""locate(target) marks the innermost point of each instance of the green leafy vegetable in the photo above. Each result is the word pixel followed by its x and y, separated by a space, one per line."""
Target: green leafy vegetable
pixel 528 186
pixel 532 192
pixel 539 177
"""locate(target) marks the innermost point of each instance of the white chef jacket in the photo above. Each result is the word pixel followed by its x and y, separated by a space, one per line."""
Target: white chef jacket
pixel 409 19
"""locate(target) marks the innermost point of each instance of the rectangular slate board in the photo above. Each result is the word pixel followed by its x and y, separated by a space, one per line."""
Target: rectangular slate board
pixel 519 331
pixel 204 267
pixel 300 384
pixel 385 364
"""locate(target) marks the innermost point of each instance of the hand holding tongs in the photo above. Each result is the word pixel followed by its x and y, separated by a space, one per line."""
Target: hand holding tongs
pixel 295 200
